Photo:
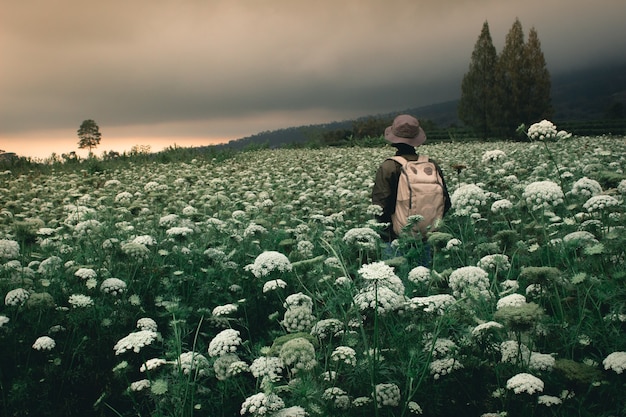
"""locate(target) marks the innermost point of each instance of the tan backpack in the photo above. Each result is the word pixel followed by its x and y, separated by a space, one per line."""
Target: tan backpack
pixel 420 192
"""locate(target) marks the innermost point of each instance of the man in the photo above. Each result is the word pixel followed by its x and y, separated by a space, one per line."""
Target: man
pixel 405 134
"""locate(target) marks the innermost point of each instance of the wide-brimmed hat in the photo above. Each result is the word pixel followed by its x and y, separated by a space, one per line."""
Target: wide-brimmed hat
pixel 405 129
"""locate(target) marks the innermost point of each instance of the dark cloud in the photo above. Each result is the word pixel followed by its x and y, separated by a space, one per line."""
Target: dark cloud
pixel 198 64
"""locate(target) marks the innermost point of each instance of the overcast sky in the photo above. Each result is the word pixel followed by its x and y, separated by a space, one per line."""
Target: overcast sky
pixel 215 69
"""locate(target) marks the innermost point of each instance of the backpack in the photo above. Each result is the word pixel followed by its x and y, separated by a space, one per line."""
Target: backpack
pixel 420 191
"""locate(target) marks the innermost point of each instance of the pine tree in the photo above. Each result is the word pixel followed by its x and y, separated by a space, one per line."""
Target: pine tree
pixel 477 105
pixel 539 104
pixel 512 80
pixel 89 135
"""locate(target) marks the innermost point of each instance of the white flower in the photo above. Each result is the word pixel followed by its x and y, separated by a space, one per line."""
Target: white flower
pixel 140 385
pixel 615 361
pixel 326 328
pixel 224 342
pixel 511 300
pixel 500 206
pixel 469 281
pixel 4 320
pixel 274 285
pixel 493 156
pixel 152 364
pixel 85 273
pixel 492 262
pixel 135 341
pixel 511 351
pixel 224 310
pixel 442 367
pixel 484 327
pixel 549 400
pixel 267 366
pixel 262 404
pixel 179 231
pixel 437 303
pixel 453 244
pixel 298 318
pixel 80 301
pixel 268 262
pixel 586 187
pixel 387 394
pixel 298 353
pixel 338 396
pixel 382 299
pixel 146 323
pixel 419 275
pixel 9 249
pixel 113 286
pixel 543 195
pixel 344 354
pixel 541 361
pixel 193 363
pixel 16 297
pixel 44 343
pixel 362 238
pixel 468 199
pixel 544 130
pixel 525 383
pixel 600 203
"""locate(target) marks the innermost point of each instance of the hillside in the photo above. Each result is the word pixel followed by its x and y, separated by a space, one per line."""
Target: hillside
pixel 580 99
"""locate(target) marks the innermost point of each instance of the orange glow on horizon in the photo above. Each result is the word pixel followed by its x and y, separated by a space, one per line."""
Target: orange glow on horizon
pixel 42 148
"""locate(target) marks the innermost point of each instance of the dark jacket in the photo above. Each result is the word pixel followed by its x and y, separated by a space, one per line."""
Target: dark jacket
pixel 386 188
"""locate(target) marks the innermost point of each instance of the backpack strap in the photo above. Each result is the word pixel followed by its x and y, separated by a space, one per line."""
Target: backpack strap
pixel 402 161
pixel 422 158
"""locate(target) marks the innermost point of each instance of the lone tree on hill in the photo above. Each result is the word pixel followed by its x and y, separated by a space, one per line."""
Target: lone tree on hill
pixel 477 107
pixel 89 135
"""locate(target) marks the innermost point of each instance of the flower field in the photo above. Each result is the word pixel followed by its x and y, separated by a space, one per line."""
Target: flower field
pixel 257 286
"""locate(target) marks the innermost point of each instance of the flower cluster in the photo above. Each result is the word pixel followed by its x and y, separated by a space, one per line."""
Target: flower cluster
pixel 387 395
pixel 224 310
pixel 469 281
pixel 135 250
pixel 615 361
pixel 113 286
pixel 468 199
pixel 511 300
pixel 543 195
pixel 270 367
pixel 362 238
pixel 437 303
pixel 600 203
pixel 586 187
pixel 193 363
pixel 262 404
pixel 326 328
pixel 493 156
pixel 501 205
pixel 543 130
pixel 338 397
pixel 492 262
pixel 85 273
pixel 381 299
pixel 179 231
pixel 273 285
pixel 419 275
pixel 344 354
pixel 525 383
pixel 80 301
pixel 268 262
pixel 16 297
pixel 298 353
pixel 541 361
pixel 224 342
pixel 135 341
pixel 445 366
pixel 146 323
pixel 9 249
pixel 44 343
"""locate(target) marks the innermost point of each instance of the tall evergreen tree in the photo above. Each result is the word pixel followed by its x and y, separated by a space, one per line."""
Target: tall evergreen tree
pixel 539 104
pixel 477 107
pixel 513 80
pixel 89 135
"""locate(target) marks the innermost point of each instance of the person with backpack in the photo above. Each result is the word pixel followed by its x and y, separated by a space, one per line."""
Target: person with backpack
pixel 409 184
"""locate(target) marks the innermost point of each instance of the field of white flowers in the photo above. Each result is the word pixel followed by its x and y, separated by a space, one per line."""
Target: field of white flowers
pixel 255 286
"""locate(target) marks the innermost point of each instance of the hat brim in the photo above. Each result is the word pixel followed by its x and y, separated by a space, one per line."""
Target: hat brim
pixel 414 141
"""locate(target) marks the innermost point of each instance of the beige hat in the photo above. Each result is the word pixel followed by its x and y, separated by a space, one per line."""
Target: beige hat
pixel 405 129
